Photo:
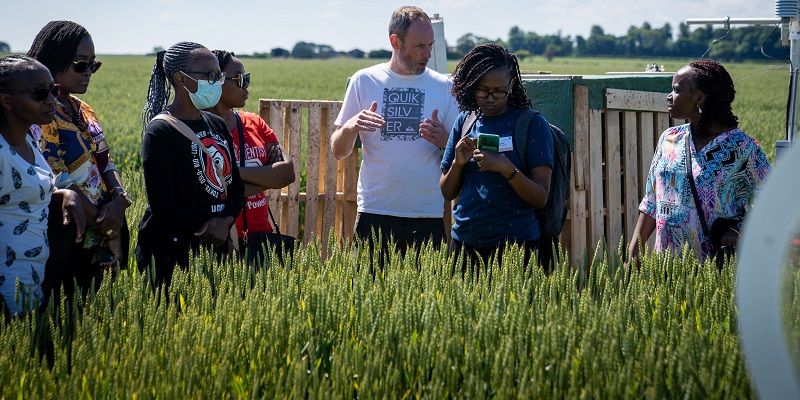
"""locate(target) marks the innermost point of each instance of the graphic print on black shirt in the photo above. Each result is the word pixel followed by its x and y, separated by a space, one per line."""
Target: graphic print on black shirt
pixel 402 110
pixel 207 168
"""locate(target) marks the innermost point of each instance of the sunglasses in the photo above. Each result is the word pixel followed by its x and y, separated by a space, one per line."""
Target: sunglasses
pixel 41 94
pixel 243 80
pixel 81 66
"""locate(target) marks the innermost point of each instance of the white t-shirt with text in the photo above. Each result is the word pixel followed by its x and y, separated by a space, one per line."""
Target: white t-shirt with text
pixel 400 170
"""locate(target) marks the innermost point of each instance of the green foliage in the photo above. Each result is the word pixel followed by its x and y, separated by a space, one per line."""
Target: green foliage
pixel 327 329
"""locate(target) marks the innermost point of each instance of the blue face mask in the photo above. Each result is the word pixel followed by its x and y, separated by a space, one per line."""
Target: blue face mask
pixel 207 94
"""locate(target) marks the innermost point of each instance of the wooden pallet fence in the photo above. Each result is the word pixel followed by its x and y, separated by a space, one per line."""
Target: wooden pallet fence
pixel 613 149
pixel 326 200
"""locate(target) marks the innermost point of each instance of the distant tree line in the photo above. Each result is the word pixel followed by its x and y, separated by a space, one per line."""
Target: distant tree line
pixel 742 43
pixel 734 44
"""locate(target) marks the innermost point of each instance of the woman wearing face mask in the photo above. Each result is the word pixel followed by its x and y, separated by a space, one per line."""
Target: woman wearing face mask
pixel 264 166
pixel 27 96
pixel 75 147
pixel 193 186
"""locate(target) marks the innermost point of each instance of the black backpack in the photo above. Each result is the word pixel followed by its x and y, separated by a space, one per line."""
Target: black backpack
pixel 554 214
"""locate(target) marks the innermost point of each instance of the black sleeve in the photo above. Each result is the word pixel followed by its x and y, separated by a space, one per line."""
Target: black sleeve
pixel 234 202
pixel 159 163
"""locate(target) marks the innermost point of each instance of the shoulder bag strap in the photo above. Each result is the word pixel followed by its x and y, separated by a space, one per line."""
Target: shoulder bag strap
pixel 240 131
pixel 697 204
pixel 469 122
pixel 189 134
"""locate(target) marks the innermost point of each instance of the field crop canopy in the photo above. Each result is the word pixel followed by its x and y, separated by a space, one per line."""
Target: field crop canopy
pixel 327 328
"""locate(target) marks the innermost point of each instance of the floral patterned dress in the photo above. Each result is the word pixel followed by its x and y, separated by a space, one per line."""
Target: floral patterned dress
pixel 727 172
pixel 77 154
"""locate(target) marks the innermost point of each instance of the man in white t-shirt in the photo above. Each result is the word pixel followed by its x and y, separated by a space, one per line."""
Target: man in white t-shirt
pixel 403 112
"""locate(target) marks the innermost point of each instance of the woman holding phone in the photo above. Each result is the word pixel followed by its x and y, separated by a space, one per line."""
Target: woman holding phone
pixel 496 193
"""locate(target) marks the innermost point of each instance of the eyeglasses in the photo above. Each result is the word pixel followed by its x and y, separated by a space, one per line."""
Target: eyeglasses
pixel 212 77
pixel 243 80
pixel 42 94
pixel 81 66
pixel 496 94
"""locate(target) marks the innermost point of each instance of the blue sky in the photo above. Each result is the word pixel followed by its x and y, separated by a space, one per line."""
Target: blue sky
pixel 247 25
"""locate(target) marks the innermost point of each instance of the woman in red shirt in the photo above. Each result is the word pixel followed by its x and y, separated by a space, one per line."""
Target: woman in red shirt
pixel 262 163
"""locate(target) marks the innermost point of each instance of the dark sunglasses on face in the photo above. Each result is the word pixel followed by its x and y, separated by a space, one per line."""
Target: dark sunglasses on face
pixel 243 80
pixel 81 66
pixel 41 94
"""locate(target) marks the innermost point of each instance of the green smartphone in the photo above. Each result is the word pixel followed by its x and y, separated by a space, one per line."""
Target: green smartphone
pixel 489 142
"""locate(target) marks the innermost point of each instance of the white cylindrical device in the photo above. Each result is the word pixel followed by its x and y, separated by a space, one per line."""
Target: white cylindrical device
pixel 438 60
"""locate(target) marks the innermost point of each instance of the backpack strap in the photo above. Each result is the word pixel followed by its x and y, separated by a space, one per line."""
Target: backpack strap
pixel 469 122
pixel 520 139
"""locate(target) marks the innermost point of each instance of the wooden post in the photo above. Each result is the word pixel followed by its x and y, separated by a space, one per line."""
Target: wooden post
pixel 596 211
pixel 580 158
pixel 631 172
pixel 613 180
pixel 293 203
pixel 312 171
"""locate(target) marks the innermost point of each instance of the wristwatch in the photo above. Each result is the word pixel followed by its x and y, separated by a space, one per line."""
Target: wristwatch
pixel 120 192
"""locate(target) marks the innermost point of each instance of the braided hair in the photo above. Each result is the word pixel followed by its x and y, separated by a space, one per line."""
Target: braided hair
pixel 711 78
pixel 11 69
pixel 223 57
pixel 56 44
pixel 168 63
pixel 475 65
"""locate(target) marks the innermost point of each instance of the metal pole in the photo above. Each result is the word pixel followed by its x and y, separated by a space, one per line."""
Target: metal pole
pixel 794 57
pixel 733 21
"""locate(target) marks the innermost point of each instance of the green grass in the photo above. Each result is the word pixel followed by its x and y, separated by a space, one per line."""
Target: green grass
pixel 118 91
pixel 325 329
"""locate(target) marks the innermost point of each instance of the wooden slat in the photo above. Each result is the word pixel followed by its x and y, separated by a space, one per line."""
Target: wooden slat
pixel 635 100
pixel 293 214
pixel 581 135
pixel 328 178
pixel 647 147
pixel 631 168
pixel 312 171
pixel 577 211
pixel 613 182
pixel 350 187
pixel 662 123
pixel 596 226
pixel 341 166
pixel 275 121
pixel 330 172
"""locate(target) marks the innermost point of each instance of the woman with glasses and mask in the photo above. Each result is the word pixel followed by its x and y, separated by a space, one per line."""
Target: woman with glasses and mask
pixel 193 187
pixel 261 161
pixel 28 96
pixel 75 146
pixel 496 194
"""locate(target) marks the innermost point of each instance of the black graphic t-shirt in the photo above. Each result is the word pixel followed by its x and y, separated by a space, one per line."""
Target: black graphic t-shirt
pixel 185 185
